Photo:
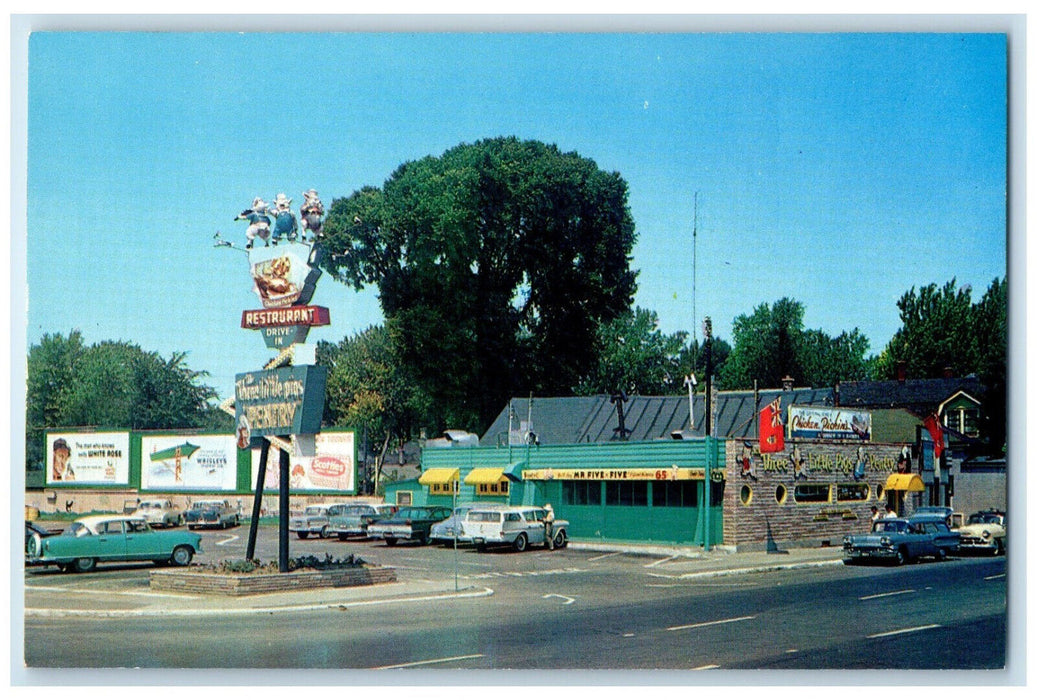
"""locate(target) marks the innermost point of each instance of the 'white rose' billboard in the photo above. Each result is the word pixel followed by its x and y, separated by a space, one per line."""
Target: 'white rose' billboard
pixel 88 458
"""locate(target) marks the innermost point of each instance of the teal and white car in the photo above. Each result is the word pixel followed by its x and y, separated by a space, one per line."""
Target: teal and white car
pixel 111 538
pixel 515 526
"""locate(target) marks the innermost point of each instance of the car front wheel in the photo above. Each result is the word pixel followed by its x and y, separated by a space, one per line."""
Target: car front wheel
pixel 181 556
pixel 560 540
pixel 303 535
pixel 390 541
pixel 901 558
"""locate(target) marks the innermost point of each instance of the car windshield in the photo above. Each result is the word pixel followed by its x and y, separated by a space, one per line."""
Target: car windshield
pixel 983 518
pixel 890 526
pixel 78 530
pixel 412 513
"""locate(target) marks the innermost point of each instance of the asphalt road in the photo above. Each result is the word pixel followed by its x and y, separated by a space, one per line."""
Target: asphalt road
pixel 568 609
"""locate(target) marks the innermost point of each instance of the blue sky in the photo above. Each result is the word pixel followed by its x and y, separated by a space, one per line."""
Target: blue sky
pixel 836 169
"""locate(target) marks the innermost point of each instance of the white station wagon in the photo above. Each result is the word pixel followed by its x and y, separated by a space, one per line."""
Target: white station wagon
pixel 517 526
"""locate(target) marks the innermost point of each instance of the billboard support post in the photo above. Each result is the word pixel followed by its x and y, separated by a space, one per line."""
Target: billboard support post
pixel 257 502
pixel 283 514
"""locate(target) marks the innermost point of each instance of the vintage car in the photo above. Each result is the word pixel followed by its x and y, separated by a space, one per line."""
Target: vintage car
pixel 34 531
pixel 115 537
pixel 408 523
pixel 985 532
pixel 160 512
pixel 452 529
pixel 351 520
pixel 211 513
pixel 902 540
pixel 516 526
pixel 312 521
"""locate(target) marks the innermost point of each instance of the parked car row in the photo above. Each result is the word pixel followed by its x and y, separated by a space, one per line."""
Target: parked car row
pixel 927 533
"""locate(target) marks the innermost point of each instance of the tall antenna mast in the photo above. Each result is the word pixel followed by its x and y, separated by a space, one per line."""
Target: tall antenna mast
pixel 694 271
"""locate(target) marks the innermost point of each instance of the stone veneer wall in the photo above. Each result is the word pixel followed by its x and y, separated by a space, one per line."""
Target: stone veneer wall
pixel 764 523
pixel 186 581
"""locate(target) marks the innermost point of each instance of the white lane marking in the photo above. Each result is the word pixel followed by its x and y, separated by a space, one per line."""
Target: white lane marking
pixel 567 599
pixel 230 538
pixel 605 556
pixel 712 622
pixel 991 578
pixel 707 667
pixel 661 561
pixel 886 595
pixel 53 612
pixel 906 630
pixel 428 662
pixel 628 634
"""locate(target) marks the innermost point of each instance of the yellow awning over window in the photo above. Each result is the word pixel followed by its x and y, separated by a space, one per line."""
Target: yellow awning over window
pixel 438 476
pixel 904 482
pixel 485 476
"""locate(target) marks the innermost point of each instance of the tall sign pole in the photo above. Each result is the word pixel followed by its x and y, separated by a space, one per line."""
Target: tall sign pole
pixel 282 401
pixel 707 334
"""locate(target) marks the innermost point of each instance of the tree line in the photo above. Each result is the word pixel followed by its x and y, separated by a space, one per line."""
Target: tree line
pixel 503 269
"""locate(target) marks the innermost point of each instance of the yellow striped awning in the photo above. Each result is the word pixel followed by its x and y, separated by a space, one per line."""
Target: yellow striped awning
pixel 904 482
pixel 438 476
pixel 484 475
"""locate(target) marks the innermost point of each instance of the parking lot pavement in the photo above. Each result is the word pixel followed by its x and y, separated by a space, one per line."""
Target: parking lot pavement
pixel 63 595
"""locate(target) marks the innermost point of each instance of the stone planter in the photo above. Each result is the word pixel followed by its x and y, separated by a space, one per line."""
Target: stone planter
pixel 188 581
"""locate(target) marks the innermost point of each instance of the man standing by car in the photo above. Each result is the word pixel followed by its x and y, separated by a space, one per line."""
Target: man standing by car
pixel 549 522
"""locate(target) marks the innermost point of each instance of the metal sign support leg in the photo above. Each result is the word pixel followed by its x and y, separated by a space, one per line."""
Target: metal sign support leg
pixel 285 515
pixel 257 502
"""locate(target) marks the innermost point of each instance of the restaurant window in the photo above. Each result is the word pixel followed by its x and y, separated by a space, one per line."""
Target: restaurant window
pixel 746 496
pixel 812 493
pixel 675 494
pixel 780 493
pixel 498 489
pixel 852 492
pixel 404 498
pixel 443 489
pixel 581 493
pixel 626 493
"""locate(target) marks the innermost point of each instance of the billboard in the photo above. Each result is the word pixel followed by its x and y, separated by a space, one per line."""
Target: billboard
pixel 322 462
pixel 811 423
pixel 101 459
pixel 199 462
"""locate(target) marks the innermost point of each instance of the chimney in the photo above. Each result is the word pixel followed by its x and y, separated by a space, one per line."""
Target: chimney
pixel 786 383
pixel 901 371
pixel 948 373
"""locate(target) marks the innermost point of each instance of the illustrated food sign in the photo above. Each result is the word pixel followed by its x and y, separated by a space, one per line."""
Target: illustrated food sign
pixel 323 462
pixel 203 462
pixel 284 401
pixel 88 458
pixel 282 275
pixel 828 424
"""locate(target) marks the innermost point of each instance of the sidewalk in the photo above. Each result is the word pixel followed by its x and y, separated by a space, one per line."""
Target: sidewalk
pixel 695 564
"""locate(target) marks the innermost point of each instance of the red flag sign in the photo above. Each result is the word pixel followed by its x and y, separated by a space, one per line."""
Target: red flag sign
pixel 932 424
pixel 772 430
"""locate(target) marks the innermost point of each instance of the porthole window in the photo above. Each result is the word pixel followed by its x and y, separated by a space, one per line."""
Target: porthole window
pixel 780 494
pixel 746 495
pixel 878 491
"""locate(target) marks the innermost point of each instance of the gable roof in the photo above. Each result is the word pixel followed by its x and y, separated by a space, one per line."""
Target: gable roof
pixel 919 396
pixel 576 419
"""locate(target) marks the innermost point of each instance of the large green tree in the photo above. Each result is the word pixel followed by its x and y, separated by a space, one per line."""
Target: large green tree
pixel 114 384
pixel 495 263
pixel 772 343
pixel 941 328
